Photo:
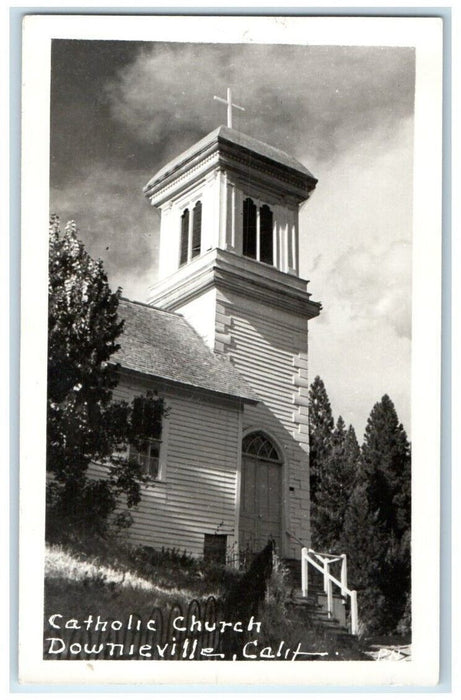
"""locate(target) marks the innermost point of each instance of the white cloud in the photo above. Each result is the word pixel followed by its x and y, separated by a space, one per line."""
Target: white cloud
pixel 357 231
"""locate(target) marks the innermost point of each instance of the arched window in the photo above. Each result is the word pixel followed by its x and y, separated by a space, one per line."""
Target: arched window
pixel 183 256
pixel 196 229
pixel 266 237
pixel 259 445
pixel 191 234
pixel 258 232
pixel 249 228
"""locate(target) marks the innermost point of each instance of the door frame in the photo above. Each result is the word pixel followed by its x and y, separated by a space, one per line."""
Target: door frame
pixel 257 428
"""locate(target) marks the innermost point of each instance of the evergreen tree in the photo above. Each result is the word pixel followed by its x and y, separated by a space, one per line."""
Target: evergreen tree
pixel 333 494
pixel 339 433
pixel 377 525
pixel 321 427
pixel 84 424
pixel 365 544
pixel 386 460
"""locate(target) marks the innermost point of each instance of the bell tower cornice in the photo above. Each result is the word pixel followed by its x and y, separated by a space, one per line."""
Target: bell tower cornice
pixel 241 156
pixel 223 270
pixel 232 192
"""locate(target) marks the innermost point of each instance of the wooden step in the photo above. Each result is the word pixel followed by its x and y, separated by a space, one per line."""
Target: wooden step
pixel 313 612
pixel 313 607
pixel 323 622
pixel 318 617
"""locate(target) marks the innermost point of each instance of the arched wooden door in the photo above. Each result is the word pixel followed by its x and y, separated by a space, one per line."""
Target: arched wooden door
pixel 260 494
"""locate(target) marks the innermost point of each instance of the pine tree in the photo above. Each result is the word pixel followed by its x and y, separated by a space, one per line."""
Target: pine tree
pixel 321 426
pixel 84 424
pixel 376 533
pixel 339 473
pixel 386 460
pixel 365 543
pixel 339 433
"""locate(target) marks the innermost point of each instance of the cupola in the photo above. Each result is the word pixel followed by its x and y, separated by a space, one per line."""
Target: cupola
pixel 231 192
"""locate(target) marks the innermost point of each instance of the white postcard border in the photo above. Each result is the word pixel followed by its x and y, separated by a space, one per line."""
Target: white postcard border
pixel 425 35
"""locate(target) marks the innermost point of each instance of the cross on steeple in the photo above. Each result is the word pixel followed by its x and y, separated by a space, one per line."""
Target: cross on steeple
pixel 229 104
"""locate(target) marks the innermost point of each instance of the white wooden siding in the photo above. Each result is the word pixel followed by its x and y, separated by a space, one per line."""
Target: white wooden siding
pixel 269 348
pixel 200 313
pixel 198 492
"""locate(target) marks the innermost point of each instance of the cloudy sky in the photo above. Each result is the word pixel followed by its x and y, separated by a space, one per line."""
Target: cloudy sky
pixel 120 110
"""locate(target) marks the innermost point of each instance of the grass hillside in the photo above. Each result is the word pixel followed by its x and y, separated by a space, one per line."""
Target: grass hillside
pixel 105 578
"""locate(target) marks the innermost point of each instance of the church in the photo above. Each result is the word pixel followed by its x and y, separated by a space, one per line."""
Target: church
pixel 223 339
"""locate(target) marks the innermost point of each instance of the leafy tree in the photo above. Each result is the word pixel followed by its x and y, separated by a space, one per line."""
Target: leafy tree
pixel 84 424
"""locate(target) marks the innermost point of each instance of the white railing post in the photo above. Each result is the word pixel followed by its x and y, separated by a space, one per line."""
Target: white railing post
pixel 330 598
pixel 354 614
pixel 321 562
pixel 343 574
pixel 304 572
pixel 325 575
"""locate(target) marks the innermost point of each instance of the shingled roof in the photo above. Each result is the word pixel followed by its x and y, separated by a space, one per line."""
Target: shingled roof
pixel 224 134
pixel 163 345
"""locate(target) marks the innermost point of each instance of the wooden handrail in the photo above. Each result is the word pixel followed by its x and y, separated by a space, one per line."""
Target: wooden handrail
pixel 296 539
pixel 329 579
pixel 327 555
pixel 330 576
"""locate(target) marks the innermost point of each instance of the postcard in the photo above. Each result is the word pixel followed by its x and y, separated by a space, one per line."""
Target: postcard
pixel 230 350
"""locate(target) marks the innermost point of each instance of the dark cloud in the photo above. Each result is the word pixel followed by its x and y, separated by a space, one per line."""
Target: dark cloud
pixel 120 110
pixel 115 221
pixel 299 98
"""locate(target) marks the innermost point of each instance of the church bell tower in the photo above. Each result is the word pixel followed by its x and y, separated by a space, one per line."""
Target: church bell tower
pixel 229 263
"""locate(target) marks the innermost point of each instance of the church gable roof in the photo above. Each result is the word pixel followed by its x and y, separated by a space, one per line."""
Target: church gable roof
pixel 224 134
pixel 162 344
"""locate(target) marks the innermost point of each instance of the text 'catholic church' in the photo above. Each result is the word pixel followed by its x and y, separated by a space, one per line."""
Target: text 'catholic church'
pixel 223 338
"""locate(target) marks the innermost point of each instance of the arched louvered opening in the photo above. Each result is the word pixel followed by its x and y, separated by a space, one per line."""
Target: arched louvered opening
pixel 196 229
pixel 259 445
pixel 249 228
pixel 191 234
pixel 184 237
pixel 266 236
pixel 258 232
